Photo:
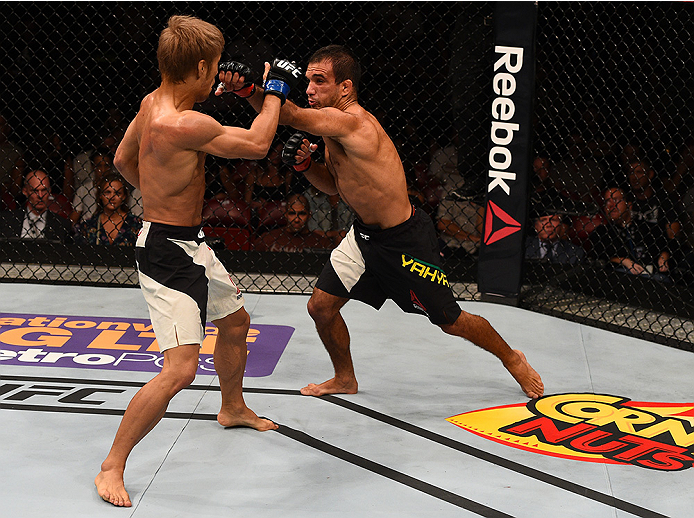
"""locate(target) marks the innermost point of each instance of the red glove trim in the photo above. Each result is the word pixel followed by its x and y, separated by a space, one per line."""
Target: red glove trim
pixel 303 166
pixel 246 91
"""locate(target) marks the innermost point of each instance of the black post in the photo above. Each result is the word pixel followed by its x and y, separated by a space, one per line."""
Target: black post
pixel 510 149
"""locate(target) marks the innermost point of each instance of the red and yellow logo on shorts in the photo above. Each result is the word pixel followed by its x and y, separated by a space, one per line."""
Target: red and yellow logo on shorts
pixel 592 428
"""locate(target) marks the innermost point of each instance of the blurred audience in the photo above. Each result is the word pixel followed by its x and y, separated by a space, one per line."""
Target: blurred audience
pixel 112 223
pixel 82 164
pixel 52 156
pixel 85 205
pixel 460 219
pixel 550 242
pixel 35 221
pixel 649 201
pixel 224 179
pixel 295 236
pixel 634 247
pixel 269 180
pixel 329 214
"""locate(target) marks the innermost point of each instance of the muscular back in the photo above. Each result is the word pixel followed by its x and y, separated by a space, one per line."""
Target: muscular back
pixel 171 175
pixel 368 172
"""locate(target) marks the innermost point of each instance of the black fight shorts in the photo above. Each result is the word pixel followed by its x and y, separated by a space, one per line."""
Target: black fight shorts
pixel 401 263
pixel 183 283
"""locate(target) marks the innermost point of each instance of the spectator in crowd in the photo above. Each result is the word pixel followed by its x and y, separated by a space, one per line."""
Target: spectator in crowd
pixel 35 221
pixel 634 247
pixel 53 157
pixel 85 204
pixel 329 214
pixel 83 163
pixel 269 181
pixel 112 223
pixel 295 236
pixel 550 242
pixel 649 202
pixel 460 218
pixel 11 162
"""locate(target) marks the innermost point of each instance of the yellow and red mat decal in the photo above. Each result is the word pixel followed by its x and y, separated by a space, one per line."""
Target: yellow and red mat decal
pixel 592 428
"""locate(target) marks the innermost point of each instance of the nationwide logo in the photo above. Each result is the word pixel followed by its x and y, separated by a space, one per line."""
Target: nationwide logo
pixel 119 344
pixel 498 224
pixel 592 428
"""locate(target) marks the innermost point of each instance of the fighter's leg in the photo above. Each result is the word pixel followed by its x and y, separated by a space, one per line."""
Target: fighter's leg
pixel 324 309
pixel 230 355
pixel 480 332
pixel 144 411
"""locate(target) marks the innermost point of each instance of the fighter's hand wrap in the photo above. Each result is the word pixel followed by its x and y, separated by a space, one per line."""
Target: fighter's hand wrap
pixel 290 151
pixel 242 70
pixel 282 77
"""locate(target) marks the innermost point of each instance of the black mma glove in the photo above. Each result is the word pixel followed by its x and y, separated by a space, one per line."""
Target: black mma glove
pixel 282 77
pixel 242 70
pixel 290 150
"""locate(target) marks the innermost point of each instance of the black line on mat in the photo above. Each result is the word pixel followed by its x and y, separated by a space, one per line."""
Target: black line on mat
pixel 495 459
pixel 392 474
pixel 88 381
pixel 312 442
pixel 354 407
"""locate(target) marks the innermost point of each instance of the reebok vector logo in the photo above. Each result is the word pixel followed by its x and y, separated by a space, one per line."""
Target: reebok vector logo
pixel 498 224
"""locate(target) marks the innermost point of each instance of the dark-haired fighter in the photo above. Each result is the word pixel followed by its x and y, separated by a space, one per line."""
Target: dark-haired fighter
pixel 391 251
pixel 163 154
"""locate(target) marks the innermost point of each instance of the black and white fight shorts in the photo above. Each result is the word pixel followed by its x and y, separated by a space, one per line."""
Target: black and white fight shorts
pixel 401 263
pixel 183 282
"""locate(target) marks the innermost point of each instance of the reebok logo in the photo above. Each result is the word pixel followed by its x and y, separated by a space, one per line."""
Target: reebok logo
pixel 498 224
pixel 416 304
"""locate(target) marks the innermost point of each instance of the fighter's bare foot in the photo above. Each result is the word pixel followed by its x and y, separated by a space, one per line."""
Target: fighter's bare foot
pixel 245 417
pixel 109 485
pixel 332 386
pixel 525 375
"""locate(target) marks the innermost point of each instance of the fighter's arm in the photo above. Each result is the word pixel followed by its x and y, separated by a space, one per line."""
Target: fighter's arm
pixel 297 153
pixel 127 158
pixel 203 133
pixel 321 178
pixel 322 122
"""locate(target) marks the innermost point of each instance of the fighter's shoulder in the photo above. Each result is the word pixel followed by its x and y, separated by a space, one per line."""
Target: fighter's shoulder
pixel 186 124
pixel 366 123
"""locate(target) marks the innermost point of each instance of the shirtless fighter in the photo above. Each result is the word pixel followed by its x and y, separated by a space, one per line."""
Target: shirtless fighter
pixel 163 154
pixel 391 250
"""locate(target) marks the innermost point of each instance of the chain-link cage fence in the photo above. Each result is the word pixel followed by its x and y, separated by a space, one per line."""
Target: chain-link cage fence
pixel 76 72
pixel 610 233
pixel 611 111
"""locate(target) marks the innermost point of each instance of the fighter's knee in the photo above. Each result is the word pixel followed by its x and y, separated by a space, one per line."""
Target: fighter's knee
pixel 180 378
pixel 187 377
pixel 461 325
pixel 234 325
pixel 315 308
